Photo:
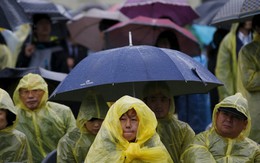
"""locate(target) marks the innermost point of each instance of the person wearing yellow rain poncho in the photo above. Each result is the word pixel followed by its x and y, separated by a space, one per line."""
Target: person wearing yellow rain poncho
pixel 11 43
pixel 74 146
pixel 43 122
pixel 128 134
pixel 226 140
pixel 14 146
pixel 175 134
pixel 226 67
pixel 249 77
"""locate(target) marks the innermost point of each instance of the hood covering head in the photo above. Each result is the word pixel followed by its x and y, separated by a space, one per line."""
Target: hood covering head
pixel 110 144
pixel 7 104
pixel 31 82
pixel 93 106
pixel 156 87
pixel 239 104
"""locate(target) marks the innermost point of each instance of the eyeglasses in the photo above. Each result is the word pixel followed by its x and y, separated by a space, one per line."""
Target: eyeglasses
pixel 26 92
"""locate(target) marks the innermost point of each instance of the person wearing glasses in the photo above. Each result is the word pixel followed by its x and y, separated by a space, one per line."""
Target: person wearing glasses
pixel 43 122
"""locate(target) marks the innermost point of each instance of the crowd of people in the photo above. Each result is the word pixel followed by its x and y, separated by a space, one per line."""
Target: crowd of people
pixel 152 128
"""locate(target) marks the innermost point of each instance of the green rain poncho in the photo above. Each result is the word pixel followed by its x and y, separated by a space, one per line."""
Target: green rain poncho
pixel 14 146
pixel 226 66
pixel 74 146
pixel 175 134
pixel 45 125
pixel 209 146
pixel 110 146
pixel 249 82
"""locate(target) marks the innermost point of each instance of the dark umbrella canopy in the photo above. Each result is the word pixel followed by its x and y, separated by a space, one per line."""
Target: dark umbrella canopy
pixel 207 10
pixel 11 15
pixel 179 11
pixel 124 71
pixel 10 77
pixel 236 10
pixel 56 12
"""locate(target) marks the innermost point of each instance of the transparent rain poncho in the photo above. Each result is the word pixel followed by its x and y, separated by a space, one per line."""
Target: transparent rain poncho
pixel 74 146
pixel 14 146
pixel 209 146
pixel 176 135
pixel 110 145
pixel 45 125
pixel 248 82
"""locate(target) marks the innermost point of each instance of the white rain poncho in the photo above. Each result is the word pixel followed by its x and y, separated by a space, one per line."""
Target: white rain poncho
pixel 209 146
pixel 14 146
pixel 74 146
pixel 45 125
pixel 110 145
pixel 249 82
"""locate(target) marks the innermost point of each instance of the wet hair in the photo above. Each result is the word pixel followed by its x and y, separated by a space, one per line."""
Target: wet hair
pixel 256 21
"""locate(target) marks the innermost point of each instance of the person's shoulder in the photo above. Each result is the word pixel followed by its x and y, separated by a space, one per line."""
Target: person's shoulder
pixel 20 135
pixel 55 105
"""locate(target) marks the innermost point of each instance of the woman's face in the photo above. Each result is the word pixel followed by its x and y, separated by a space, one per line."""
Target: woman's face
pixel 129 122
pixel 93 125
pixel 3 119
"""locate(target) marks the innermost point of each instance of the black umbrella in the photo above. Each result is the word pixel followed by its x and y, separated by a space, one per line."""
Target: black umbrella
pixel 12 15
pixel 10 77
pixel 207 10
pixel 236 11
pixel 55 11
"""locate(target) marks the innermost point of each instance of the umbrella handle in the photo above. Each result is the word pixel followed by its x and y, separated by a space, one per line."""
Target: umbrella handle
pixel 130 38
pixel 194 70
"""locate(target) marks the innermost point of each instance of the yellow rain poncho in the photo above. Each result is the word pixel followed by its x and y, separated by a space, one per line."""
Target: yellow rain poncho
pixel 14 41
pixel 45 125
pixel 14 146
pixel 110 145
pixel 209 146
pixel 175 134
pixel 74 146
pixel 249 82
pixel 226 66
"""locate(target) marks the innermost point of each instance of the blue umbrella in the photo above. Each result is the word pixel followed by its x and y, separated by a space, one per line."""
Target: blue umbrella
pixel 125 70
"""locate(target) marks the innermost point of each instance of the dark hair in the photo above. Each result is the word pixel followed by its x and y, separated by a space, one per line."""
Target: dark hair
pixel 11 117
pixel 256 21
pixel 37 17
pixel 171 37
pixel 106 23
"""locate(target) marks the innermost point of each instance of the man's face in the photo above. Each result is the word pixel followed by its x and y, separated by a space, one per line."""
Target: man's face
pixel 43 27
pixel 93 125
pixel 159 104
pixel 228 125
pixel 31 98
pixel 129 123
pixel 3 120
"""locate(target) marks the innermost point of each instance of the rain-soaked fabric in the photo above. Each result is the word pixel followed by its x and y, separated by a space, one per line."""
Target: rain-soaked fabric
pixel 249 82
pixel 14 41
pixel 14 146
pixel 226 66
pixel 74 146
pixel 176 135
pixel 209 146
pixel 45 125
pixel 110 145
